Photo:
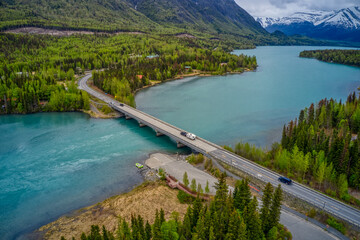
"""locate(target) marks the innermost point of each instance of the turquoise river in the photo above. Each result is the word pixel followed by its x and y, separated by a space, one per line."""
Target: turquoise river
pixel 54 163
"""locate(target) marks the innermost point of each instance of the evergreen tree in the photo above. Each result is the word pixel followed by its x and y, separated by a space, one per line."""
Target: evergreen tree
pixel 265 209
pixel 242 195
pixel 207 190
pixel 211 234
pixel 221 192
pixel 275 208
pixel 162 216
pixel 252 221
pixel 156 229
pixel 193 185
pixel 186 226
pixel 148 233
pixel 233 228
pixel 186 179
pixel 195 213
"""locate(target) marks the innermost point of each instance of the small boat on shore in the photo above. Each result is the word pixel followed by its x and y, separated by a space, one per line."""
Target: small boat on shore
pixel 139 165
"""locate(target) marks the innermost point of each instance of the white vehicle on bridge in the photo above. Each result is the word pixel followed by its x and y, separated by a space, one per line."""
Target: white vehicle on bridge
pixel 189 135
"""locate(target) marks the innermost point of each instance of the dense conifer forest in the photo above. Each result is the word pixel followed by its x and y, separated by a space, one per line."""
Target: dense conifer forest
pixel 348 57
pixel 132 72
pixel 37 73
pixel 229 217
pixel 321 148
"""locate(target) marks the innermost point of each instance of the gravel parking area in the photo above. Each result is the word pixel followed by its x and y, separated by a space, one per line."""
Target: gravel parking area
pixel 176 167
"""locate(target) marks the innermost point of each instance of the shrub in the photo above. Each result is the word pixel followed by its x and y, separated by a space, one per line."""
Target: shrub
pixel 184 197
pixel 106 109
pixel 192 159
pixel 312 213
pixel 335 224
pixel 346 197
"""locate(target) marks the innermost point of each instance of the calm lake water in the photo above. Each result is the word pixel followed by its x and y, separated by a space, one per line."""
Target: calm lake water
pixel 252 106
pixel 53 163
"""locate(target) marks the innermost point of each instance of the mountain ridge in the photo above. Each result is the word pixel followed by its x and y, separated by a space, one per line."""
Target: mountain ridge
pixel 207 16
pixel 343 24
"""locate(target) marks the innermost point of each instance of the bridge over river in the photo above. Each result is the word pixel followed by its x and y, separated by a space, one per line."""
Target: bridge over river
pixel 318 200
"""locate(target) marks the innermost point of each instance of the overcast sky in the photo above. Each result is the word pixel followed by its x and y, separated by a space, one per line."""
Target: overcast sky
pixel 281 8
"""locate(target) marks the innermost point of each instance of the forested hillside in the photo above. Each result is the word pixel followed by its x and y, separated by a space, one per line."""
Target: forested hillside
pixel 212 16
pixel 85 14
pixel 207 19
pixel 321 148
pixel 230 217
pixel 132 15
pixel 348 57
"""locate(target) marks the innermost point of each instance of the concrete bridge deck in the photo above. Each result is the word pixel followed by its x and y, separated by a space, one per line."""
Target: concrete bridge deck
pixel 317 199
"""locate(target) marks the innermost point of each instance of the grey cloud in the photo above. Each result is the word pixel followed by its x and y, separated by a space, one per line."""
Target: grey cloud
pixel 281 3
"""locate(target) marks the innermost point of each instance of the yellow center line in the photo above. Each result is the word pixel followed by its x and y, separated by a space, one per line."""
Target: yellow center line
pixel 334 207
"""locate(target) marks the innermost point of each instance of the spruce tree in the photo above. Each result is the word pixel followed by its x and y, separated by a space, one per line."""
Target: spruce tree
pixel 196 209
pixel 124 232
pixel 156 231
pixel 275 209
pixel 186 179
pixel 207 190
pixel 162 216
pixel 265 210
pixel 140 225
pixel 242 230
pixel 233 228
pixel 252 221
pixel 148 234
pixel 221 192
pixel 199 189
pixel 243 195
pixel 201 226
pixel 211 234
pixel 193 185
pixel 186 226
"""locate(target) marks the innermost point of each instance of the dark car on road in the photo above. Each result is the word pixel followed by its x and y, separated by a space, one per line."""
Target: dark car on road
pixel 183 133
pixel 121 105
pixel 285 180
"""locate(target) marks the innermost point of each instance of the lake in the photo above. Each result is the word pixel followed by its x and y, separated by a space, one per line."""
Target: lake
pixel 253 106
pixel 53 163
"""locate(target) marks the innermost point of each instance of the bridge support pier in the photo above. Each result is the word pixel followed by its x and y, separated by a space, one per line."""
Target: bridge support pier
pixel 179 145
pixel 127 117
pixel 158 134
pixel 141 124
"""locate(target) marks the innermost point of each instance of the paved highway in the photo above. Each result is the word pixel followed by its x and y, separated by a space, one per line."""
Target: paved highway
pixel 311 196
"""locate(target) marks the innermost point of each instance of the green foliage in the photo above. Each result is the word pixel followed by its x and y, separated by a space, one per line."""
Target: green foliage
pixel 337 225
pixel 207 189
pixel 184 197
pixel 106 109
pixel 321 148
pixel 265 209
pixel 37 71
pixel 217 219
pixel 193 185
pixel 195 159
pixel 186 179
pixel 348 57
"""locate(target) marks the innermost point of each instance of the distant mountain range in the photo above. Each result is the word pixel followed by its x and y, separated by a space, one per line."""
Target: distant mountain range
pixel 341 24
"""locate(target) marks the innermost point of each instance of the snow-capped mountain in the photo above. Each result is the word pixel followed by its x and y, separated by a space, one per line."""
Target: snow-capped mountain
pixel 342 24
